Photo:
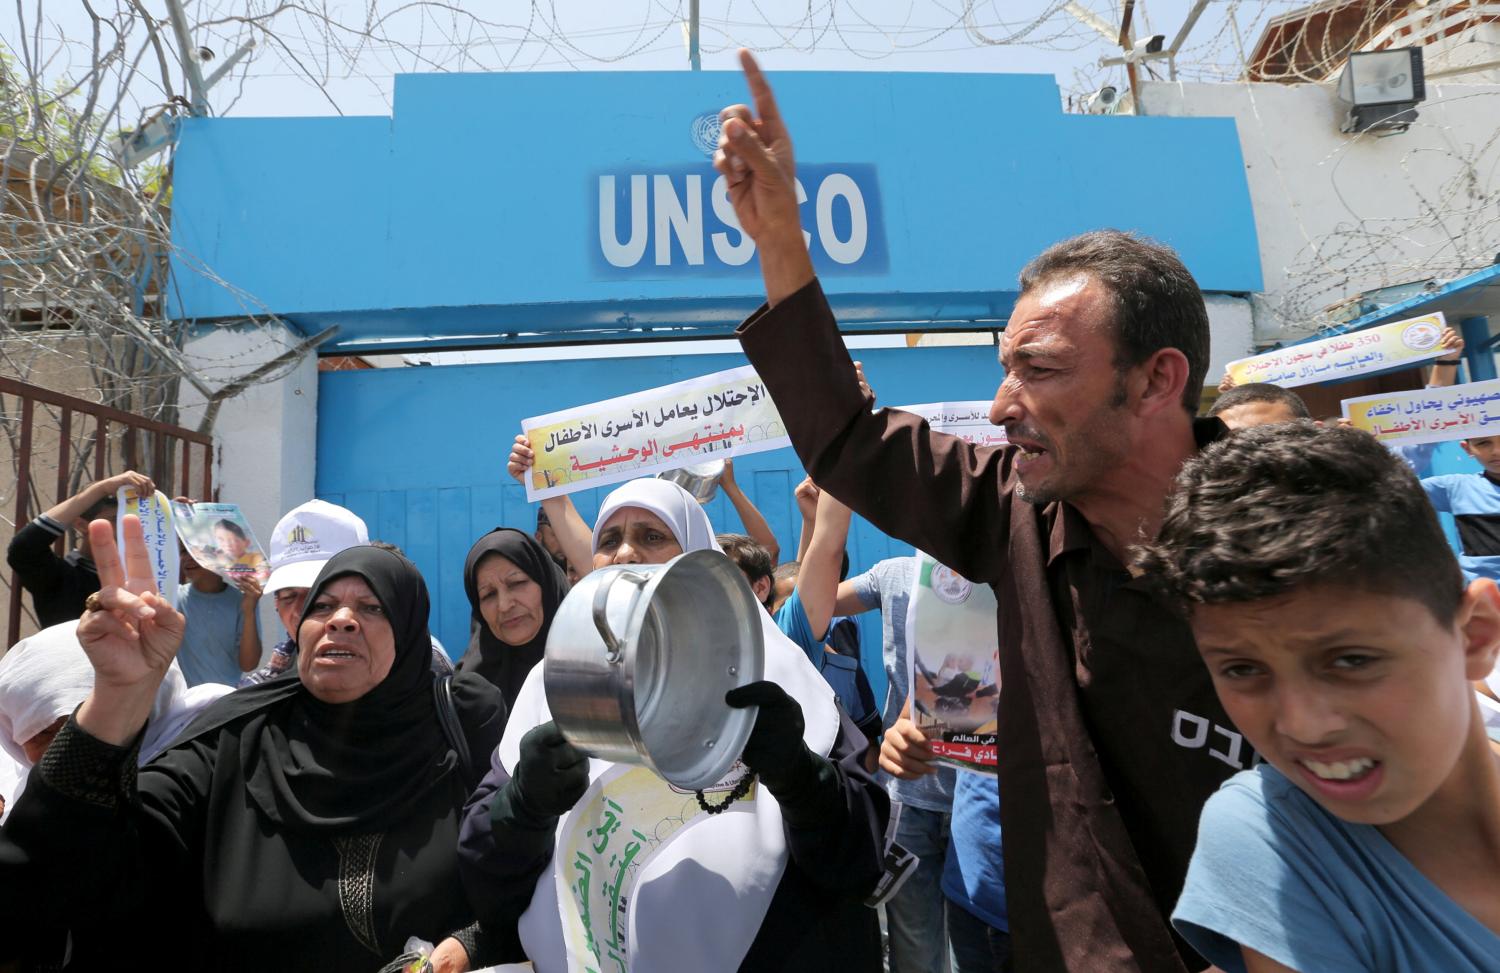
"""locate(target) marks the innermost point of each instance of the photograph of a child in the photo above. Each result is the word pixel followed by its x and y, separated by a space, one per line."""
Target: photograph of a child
pixel 218 537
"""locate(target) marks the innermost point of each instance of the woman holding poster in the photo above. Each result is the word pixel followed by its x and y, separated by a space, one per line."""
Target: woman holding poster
pixel 774 882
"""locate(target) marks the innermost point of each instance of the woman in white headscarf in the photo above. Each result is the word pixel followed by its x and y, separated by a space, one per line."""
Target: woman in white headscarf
pixel 43 678
pixel 642 879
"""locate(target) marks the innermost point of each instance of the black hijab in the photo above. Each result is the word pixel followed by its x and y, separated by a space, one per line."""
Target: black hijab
pixel 363 765
pixel 507 665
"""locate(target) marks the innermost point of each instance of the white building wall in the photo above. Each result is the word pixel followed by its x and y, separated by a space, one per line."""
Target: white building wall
pixel 265 437
pixel 1339 214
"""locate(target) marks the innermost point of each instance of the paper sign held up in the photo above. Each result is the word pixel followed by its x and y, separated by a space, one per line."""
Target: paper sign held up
pixel 969 421
pixel 1430 415
pixel 155 515
pixel 725 414
pixel 1347 355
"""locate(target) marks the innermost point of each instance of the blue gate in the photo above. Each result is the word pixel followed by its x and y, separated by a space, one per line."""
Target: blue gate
pixel 420 453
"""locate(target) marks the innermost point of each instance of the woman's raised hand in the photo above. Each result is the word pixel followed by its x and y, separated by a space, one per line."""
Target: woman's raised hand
pixel 521 459
pixel 134 633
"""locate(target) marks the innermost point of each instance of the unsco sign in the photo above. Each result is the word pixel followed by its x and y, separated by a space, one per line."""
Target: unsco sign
pixel 679 222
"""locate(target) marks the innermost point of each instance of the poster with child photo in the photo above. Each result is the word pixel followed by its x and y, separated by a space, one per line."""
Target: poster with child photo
pixel 955 671
pixel 219 537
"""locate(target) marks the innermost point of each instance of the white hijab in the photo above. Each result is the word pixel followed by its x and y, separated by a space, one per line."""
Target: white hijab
pixel 700 899
pixel 43 678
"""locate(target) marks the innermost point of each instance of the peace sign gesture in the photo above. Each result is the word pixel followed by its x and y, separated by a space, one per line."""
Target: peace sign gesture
pixel 755 157
pixel 131 633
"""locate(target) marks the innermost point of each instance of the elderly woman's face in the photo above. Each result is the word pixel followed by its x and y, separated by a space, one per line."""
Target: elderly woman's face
pixel 509 600
pixel 37 745
pixel 635 536
pixel 346 646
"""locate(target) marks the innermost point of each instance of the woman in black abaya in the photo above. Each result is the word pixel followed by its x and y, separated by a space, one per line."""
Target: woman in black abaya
pixel 514 588
pixel 309 823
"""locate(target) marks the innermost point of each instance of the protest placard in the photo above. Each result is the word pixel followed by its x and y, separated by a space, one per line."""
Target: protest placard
pixel 716 416
pixel 1347 355
pixel 1430 415
pixel 155 514
pixel 969 421
pixel 218 536
pixel 954 666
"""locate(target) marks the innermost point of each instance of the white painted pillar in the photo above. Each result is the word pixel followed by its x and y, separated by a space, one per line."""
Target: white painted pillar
pixel 265 437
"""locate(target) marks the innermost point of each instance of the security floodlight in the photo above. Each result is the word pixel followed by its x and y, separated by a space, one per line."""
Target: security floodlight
pixel 1382 89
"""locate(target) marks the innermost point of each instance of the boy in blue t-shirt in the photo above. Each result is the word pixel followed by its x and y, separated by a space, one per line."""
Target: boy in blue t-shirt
pixel 1474 501
pixel 1343 642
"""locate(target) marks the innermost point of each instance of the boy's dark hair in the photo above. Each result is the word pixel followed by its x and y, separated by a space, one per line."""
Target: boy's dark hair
pixel 98 507
pixel 752 558
pixel 1261 392
pixel 1275 508
pixel 232 527
pixel 388 546
pixel 1157 301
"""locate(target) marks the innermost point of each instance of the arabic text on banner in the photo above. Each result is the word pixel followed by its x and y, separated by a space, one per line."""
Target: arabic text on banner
pixel 725 414
pixel 969 421
pixel 1344 356
pixel 155 515
pixel 1430 415
pixel 953 660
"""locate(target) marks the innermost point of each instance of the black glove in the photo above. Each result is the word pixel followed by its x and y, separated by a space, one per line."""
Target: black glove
pixel 803 783
pixel 549 778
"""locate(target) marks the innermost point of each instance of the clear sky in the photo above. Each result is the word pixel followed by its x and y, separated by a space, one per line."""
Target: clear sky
pixel 343 58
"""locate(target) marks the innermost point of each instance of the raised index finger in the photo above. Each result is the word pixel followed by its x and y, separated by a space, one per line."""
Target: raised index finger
pixel 760 88
pixel 137 560
pixel 106 554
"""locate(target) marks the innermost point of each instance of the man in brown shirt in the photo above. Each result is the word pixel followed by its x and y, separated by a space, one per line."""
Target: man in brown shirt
pixel 1111 735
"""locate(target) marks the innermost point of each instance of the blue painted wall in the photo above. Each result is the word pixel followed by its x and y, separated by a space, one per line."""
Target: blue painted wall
pixel 420 453
pixel 474 211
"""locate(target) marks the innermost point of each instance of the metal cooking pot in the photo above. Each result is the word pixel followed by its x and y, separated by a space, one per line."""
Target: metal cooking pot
pixel 700 479
pixel 639 659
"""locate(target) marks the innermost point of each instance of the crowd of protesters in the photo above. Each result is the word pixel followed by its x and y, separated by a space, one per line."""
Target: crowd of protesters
pixel 1244 719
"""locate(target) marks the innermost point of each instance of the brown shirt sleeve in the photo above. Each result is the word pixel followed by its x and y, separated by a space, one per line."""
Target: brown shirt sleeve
pixel 930 489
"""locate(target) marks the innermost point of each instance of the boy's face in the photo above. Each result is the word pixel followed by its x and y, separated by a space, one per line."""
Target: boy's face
pixel 1248 414
pixel 1362 700
pixel 1487 450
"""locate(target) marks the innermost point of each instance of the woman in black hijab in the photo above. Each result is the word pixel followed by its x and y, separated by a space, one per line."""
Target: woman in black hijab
pixel 514 588
pixel 308 823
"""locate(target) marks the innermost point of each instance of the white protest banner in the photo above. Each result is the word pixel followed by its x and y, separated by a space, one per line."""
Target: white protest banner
pixel 1432 415
pixel 953 660
pixel 1346 355
pixel 219 537
pixel 725 414
pixel 969 421
pixel 155 514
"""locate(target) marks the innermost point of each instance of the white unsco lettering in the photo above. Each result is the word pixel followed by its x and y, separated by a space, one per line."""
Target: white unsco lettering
pixel 850 250
pixel 739 254
pixel 670 218
pixel 629 254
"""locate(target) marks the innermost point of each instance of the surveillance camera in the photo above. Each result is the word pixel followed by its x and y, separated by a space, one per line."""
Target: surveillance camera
pixel 1105 101
pixel 1149 45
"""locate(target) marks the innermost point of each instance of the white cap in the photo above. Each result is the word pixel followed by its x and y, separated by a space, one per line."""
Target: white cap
pixel 307 538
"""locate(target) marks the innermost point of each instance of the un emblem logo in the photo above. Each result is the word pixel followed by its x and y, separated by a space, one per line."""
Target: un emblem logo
pixel 705 131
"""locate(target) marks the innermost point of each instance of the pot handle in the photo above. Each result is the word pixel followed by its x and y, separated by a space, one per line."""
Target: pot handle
pixel 614 649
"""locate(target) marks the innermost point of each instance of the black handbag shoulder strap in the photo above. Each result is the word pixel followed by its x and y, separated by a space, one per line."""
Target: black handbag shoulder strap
pixel 453 729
